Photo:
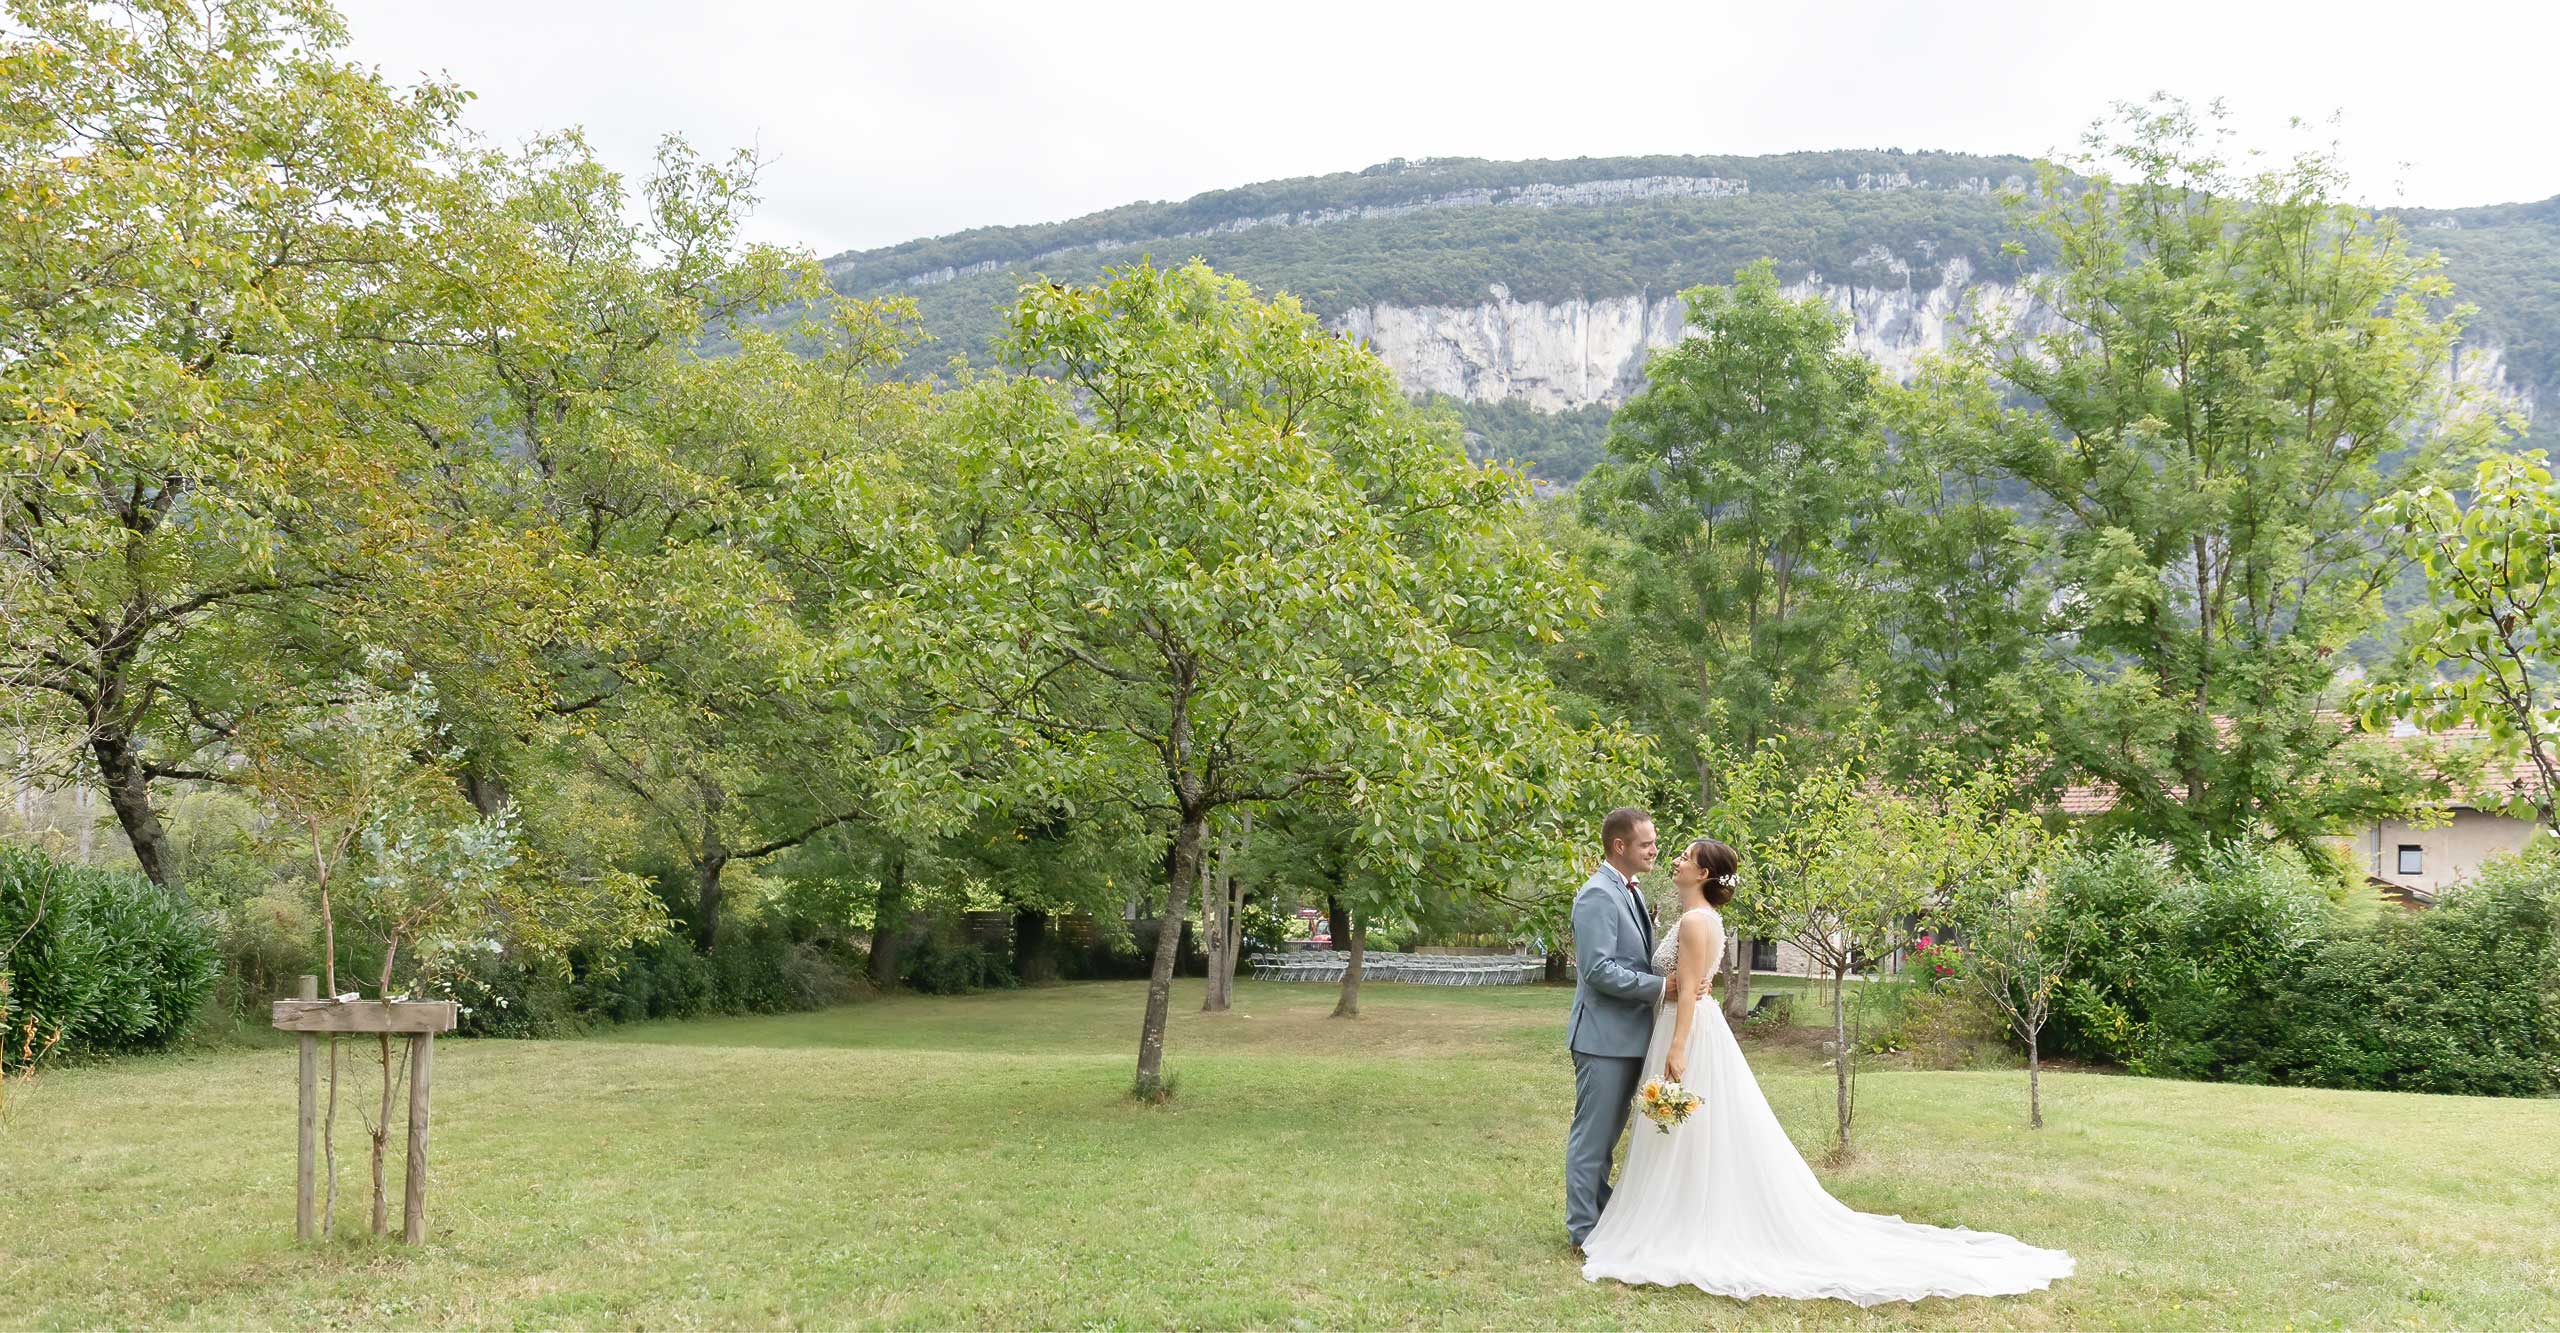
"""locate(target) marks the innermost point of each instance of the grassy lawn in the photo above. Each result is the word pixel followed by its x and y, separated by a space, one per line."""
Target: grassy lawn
pixel 961 1162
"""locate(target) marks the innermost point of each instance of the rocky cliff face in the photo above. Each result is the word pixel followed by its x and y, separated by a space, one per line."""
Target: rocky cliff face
pixel 1556 356
pixel 1560 355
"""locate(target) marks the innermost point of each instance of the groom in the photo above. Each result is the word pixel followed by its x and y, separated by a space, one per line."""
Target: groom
pixel 1612 1010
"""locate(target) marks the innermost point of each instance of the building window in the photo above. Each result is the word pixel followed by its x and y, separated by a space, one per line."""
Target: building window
pixel 1764 955
pixel 2413 859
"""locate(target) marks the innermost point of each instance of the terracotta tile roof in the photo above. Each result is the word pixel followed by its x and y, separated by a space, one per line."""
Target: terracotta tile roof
pixel 2497 782
pixel 2087 800
pixel 2097 798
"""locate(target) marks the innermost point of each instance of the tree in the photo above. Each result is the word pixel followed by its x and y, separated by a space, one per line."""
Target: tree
pixel 1222 909
pixel 2234 362
pixel 663 620
pixel 2017 949
pixel 301 364
pixel 1221 563
pixel 1736 474
pixel 1954 585
pixel 363 790
pixel 2474 654
pixel 726 769
pixel 1046 862
pixel 1306 850
pixel 216 226
pixel 1833 862
pixel 2016 955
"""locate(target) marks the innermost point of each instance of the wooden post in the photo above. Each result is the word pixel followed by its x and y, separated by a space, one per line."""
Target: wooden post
pixel 305 1118
pixel 309 1018
pixel 413 1206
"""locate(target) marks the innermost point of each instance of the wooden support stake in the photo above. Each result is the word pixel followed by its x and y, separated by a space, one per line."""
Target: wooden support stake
pixel 399 1017
pixel 305 1119
pixel 413 1208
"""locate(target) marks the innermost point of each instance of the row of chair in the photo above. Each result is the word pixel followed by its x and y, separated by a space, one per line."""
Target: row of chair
pixel 1417 969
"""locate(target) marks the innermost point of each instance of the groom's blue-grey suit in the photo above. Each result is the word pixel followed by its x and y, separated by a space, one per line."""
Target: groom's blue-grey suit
pixel 1613 1006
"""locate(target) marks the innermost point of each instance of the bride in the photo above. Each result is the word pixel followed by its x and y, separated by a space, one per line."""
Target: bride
pixel 1724 1202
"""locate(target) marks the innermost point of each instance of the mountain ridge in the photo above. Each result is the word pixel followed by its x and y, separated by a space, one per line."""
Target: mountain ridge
pixel 1542 283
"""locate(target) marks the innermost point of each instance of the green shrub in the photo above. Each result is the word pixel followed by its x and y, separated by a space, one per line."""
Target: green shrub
pixel 659 977
pixel 765 966
pixel 2457 999
pixel 268 941
pixel 110 960
pixel 945 962
pixel 2177 973
pixel 2242 971
pixel 2239 931
pixel 1877 1012
pixel 1936 964
pixel 764 969
pixel 1774 1011
pixel 503 996
pixel 1111 953
pixel 1383 937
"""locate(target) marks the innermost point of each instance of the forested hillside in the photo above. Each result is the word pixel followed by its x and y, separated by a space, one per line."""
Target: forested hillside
pixel 1468 237
pixel 2506 260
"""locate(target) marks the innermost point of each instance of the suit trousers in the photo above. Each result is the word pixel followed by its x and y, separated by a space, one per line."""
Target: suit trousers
pixel 1604 1093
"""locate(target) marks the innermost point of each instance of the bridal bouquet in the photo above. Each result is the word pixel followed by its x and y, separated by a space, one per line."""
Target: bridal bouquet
pixel 1665 1104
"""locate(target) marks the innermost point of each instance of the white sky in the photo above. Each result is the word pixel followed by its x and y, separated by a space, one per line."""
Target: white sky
pixel 889 121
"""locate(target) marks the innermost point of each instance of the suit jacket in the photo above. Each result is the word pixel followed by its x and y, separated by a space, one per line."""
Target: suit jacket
pixel 1618 990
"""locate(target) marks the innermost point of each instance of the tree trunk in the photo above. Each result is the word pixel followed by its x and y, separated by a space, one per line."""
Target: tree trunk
pixel 2035 1091
pixel 1182 866
pixel 888 920
pixel 22 781
pixel 1233 908
pixel 1349 1005
pixel 1840 1053
pixel 481 786
pixel 706 899
pixel 329 1143
pixel 129 791
pixel 1031 961
pixel 1235 934
pixel 381 1140
pixel 1222 913
pixel 1213 930
pixel 1558 972
pixel 1737 979
pixel 1337 922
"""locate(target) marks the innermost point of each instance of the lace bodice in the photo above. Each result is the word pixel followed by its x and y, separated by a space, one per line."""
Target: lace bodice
pixel 1666 955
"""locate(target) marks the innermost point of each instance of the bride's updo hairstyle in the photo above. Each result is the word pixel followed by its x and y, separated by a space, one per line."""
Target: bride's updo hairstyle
pixel 1723 866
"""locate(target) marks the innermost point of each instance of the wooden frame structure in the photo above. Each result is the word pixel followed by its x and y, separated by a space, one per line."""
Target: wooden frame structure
pixel 419 1021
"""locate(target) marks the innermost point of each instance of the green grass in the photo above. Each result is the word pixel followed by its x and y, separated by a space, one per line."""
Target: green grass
pixel 975 1161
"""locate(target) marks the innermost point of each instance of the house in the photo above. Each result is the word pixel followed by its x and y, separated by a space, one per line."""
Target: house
pixel 2406 864
pixel 2412 866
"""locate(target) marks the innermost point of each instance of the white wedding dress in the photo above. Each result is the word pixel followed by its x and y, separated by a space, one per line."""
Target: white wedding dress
pixel 1725 1203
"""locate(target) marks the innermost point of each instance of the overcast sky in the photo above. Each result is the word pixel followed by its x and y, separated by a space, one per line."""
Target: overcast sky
pixel 884 122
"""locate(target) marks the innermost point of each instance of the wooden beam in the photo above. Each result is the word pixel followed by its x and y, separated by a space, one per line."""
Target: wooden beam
pixel 306 1117
pixel 413 1193
pixel 408 1017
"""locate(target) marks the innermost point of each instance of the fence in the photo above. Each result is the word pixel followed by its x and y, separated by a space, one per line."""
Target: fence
pixel 1411 968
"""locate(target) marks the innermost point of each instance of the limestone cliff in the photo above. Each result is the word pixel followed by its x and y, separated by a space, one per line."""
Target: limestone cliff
pixel 1559 355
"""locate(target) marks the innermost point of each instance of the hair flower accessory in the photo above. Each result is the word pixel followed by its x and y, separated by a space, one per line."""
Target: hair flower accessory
pixel 1730 879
